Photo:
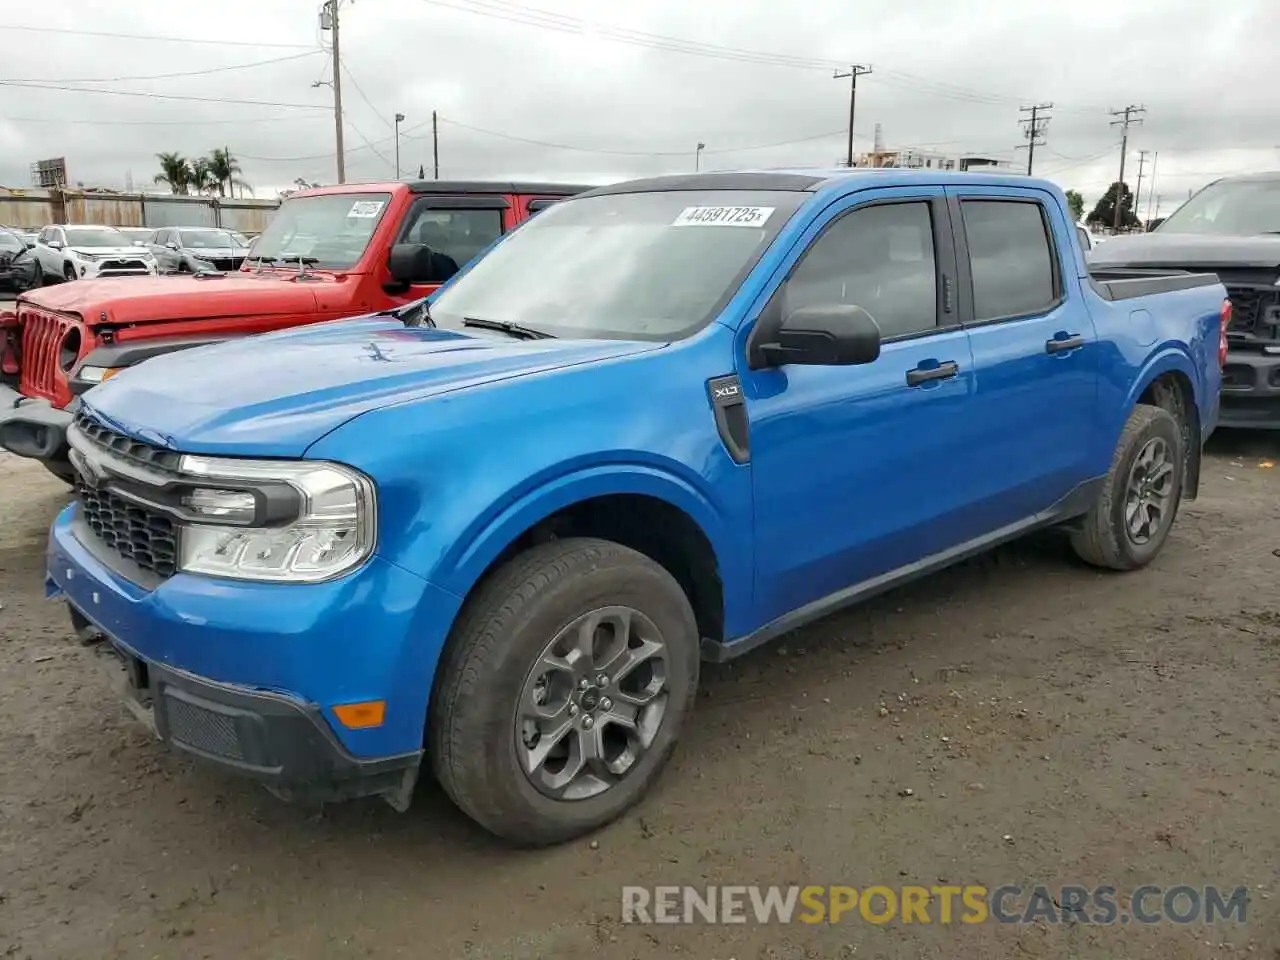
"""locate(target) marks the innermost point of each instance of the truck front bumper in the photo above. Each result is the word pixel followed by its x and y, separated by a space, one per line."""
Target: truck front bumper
pixel 246 676
pixel 1251 391
pixel 32 427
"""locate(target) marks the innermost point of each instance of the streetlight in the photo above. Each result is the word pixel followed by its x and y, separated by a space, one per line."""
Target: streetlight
pixel 399 119
pixel 697 157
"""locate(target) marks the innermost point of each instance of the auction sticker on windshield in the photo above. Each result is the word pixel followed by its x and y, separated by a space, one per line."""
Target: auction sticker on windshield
pixel 365 209
pixel 723 217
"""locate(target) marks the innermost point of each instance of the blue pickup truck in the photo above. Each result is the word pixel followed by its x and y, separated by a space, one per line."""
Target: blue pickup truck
pixel 495 532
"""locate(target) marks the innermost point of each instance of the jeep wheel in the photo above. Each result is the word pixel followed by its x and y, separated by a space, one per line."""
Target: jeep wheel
pixel 562 690
pixel 1131 520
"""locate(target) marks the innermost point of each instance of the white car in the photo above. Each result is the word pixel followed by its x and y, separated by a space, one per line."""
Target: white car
pixel 83 252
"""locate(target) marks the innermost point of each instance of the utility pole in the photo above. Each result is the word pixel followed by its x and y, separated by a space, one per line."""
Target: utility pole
pixel 1035 126
pixel 435 144
pixel 1137 193
pixel 697 157
pixel 855 71
pixel 399 120
pixel 329 21
pixel 1127 116
pixel 1151 190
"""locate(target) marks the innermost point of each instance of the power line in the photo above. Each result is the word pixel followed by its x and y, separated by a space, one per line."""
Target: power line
pixel 150 37
pixel 368 102
pixel 160 96
pixel 196 122
pixel 627 153
pixel 166 76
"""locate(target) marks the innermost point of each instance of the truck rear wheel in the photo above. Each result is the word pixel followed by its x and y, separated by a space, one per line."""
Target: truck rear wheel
pixel 562 690
pixel 1133 515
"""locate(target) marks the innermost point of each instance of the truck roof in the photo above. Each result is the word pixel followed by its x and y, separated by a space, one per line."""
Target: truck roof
pixel 450 187
pixel 811 181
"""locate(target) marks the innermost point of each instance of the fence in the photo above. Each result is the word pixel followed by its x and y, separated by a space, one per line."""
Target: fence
pixel 37 208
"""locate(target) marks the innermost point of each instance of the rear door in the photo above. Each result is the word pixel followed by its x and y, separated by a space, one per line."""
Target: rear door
pixel 1035 352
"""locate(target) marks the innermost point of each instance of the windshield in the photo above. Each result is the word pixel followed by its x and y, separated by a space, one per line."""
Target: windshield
pixel 208 239
pixel 331 232
pixel 638 266
pixel 96 237
pixel 1239 208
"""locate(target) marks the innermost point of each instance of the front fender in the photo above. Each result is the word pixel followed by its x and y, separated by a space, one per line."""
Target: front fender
pixel 462 566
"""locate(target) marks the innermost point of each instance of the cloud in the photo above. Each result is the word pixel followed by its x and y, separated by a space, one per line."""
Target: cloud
pixel 502 74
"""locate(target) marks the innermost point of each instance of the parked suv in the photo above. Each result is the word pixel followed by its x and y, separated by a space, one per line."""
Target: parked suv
pixel 196 249
pixel 87 252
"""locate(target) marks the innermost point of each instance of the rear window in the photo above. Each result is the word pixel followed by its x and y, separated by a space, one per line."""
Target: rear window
pixel 1011 258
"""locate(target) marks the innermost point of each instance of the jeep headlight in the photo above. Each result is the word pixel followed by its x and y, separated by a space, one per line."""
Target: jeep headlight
pixel 294 521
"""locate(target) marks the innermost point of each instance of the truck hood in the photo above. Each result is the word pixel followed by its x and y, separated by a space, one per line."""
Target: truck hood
pixel 123 300
pixel 1188 249
pixel 276 394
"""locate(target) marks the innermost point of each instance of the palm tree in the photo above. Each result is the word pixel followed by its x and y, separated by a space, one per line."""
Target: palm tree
pixel 224 167
pixel 175 170
pixel 202 177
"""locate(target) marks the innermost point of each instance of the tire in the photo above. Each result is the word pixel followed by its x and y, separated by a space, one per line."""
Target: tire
pixel 1105 538
pixel 68 272
pixel 475 737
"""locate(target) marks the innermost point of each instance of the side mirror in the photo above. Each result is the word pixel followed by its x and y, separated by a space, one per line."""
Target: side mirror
pixel 413 263
pixel 55 244
pixel 31 244
pixel 825 336
pixel 171 245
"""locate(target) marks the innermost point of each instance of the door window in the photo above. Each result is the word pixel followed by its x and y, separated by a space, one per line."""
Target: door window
pixel 453 236
pixel 880 258
pixel 1011 257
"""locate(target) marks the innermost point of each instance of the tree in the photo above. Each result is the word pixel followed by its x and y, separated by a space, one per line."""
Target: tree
pixel 1104 214
pixel 202 177
pixel 1075 203
pixel 175 170
pixel 223 167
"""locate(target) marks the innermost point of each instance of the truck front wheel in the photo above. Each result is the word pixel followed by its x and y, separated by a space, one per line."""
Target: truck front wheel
pixel 1140 496
pixel 562 690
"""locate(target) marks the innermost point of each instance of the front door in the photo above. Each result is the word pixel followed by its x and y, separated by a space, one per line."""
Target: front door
pixel 860 470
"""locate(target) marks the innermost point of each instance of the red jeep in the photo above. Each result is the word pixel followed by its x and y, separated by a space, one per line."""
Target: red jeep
pixel 329 253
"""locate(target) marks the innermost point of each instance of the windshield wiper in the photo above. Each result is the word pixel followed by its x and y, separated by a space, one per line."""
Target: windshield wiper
pixel 507 327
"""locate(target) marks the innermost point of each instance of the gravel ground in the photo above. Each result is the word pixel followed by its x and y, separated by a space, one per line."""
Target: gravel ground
pixel 1019 719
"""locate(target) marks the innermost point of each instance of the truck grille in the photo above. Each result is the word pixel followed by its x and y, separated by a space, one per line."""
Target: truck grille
pixel 140 534
pixel 143 536
pixel 117 268
pixel 44 335
pixel 1254 311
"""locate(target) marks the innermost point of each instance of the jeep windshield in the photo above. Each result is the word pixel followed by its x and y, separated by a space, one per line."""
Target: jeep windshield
pixel 630 266
pixel 330 232
pixel 1240 208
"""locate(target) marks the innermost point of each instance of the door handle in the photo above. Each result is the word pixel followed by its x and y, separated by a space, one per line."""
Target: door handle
pixel 943 371
pixel 1059 346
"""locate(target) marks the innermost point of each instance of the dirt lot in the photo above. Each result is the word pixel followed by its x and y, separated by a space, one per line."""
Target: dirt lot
pixel 1052 724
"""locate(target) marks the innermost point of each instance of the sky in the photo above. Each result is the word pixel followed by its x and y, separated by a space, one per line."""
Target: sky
pixel 570 90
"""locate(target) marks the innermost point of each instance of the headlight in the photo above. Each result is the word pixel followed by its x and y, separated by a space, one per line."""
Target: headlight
pixel 295 521
pixel 85 256
pixel 97 374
